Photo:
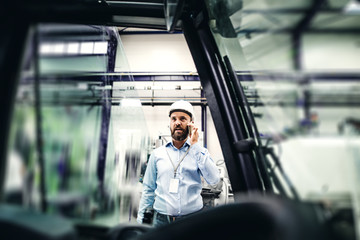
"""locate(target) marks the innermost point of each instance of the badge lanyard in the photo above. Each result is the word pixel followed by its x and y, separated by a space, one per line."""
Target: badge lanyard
pixel 174 183
pixel 175 168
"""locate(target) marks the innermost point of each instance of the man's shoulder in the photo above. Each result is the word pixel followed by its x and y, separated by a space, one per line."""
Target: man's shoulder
pixel 197 148
pixel 159 150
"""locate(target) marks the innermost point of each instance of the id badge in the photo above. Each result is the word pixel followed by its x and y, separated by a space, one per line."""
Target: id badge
pixel 174 185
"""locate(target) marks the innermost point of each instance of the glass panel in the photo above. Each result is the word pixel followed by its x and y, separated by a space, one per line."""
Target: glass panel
pixel 303 90
pixel 337 3
pixel 275 4
pixel 77 141
pixel 264 21
pixel 170 11
pixel 332 52
pixel 341 21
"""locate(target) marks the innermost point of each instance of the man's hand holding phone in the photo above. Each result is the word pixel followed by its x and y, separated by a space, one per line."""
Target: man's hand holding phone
pixel 193 133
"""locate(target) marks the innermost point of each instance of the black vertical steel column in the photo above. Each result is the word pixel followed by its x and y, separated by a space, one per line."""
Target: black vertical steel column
pixel 299 30
pixel 12 43
pixel 38 123
pixel 297 56
pixel 297 35
pixel 250 124
pixel 204 119
pixel 242 174
pixel 104 132
pixel 106 109
pixel 112 49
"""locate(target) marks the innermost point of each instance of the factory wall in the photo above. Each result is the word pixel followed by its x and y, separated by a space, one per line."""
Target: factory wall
pixel 157 53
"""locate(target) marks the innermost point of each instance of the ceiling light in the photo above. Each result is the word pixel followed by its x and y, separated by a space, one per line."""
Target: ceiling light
pixel 86 47
pixel 353 7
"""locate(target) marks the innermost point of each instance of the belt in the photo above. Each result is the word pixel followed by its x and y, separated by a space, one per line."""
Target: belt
pixel 171 218
pixel 168 217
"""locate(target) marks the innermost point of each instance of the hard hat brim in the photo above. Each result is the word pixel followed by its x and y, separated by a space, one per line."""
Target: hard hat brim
pixel 180 110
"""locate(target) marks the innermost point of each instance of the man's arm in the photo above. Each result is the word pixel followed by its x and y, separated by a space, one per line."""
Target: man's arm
pixel 205 163
pixel 149 186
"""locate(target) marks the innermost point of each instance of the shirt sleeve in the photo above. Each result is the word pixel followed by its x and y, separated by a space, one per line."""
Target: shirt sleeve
pixel 206 164
pixel 149 186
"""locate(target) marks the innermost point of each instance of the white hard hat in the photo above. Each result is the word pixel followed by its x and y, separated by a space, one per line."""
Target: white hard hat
pixel 182 106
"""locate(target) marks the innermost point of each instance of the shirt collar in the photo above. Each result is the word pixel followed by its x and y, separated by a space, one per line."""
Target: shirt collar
pixel 187 143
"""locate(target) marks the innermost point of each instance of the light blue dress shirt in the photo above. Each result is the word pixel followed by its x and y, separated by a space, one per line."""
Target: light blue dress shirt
pixel 160 171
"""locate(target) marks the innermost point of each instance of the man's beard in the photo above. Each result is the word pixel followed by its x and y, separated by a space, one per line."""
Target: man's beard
pixel 179 136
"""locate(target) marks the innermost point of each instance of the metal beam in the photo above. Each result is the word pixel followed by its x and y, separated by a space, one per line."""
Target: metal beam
pixel 38 124
pixel 251 127
pixel 85 12
pixel 111 51
pixel 12 44
pixel 104 134
pixel 290 11
pixel 300 28
pixel 242 76
pixel 212 73
pixel 204 118
pixel 113 77
pixel 106 114
pixel 305 31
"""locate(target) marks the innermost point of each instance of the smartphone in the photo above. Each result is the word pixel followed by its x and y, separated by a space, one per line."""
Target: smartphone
pixel 190 128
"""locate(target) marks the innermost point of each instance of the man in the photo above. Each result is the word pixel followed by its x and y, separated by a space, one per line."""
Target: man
pixel 172 181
